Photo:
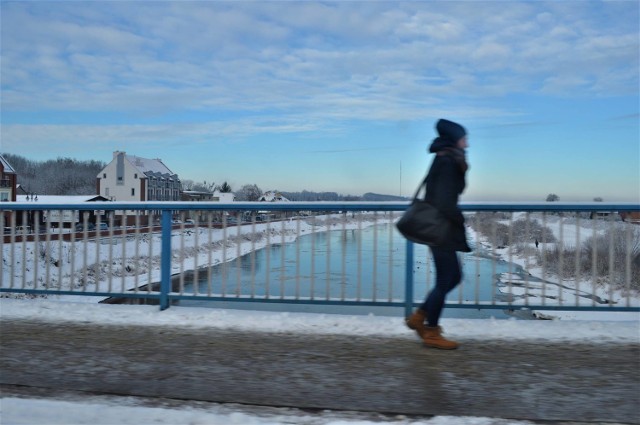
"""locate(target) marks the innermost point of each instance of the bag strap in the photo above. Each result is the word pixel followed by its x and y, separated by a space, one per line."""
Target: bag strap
pixel 423 184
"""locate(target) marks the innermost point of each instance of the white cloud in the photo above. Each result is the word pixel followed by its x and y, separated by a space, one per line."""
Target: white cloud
pixel 363 61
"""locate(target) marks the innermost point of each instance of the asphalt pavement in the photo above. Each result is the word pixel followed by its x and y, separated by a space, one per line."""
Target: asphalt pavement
pixel 536 380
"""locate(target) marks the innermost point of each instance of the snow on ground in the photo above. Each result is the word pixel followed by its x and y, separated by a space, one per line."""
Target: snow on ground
pixel 128 410
pixel 529 285
pixel 112 410
pixel 596 330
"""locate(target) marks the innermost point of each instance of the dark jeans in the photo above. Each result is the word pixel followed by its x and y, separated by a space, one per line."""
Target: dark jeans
pixel 448 275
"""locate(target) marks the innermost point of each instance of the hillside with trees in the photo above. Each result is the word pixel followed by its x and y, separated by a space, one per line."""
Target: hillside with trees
pixel 61 176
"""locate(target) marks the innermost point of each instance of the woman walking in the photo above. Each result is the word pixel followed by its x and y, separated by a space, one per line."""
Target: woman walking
pixel 445 182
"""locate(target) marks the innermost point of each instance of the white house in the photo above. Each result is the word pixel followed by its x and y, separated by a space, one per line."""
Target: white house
pixel 273 196
pixel 132 178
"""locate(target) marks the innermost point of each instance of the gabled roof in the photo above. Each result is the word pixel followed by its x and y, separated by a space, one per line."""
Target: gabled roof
pixel 149 166
pixel 8 169
pixel 273 196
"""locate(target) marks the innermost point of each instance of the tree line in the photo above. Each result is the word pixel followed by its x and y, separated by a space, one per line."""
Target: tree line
pixel 61 176
pixel 67 176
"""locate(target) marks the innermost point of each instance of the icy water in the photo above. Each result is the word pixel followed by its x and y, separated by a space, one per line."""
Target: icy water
pixel 366 264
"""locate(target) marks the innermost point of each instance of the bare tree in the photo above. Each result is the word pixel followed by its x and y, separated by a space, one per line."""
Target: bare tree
pixel 249 192
pixel 552 197
pixel 225 188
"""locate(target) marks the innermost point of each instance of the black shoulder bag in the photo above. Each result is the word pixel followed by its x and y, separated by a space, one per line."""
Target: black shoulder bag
pixel 423 223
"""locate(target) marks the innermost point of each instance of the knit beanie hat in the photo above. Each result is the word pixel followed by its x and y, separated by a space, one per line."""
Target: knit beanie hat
pixel 450 131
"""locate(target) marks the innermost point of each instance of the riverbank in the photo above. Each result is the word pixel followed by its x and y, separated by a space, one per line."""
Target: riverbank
pixel 531 283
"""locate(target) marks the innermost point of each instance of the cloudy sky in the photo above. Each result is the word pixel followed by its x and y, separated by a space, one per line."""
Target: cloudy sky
pixel 333 96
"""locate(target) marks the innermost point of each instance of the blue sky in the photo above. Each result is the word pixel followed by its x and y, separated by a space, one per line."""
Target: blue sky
pixel 333 96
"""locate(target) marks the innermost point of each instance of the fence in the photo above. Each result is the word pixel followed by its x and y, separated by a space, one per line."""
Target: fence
pixel 526 256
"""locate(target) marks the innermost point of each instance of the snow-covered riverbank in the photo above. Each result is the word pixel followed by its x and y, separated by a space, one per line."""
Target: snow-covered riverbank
pixel 533 283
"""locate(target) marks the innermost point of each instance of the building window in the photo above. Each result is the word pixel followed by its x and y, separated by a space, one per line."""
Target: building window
pixel 104 175
pixel 4 196
pixel 133 192
pixel 135 176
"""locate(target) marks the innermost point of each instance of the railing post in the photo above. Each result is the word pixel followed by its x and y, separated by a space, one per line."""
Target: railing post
pixel 408 283
pixel 165 263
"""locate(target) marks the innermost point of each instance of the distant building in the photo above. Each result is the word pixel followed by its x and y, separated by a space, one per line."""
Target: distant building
pixel 8 181
pixel 273 196
pixel 132 178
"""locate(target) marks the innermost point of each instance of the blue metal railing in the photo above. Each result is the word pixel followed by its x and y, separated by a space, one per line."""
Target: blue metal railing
pixel 33 213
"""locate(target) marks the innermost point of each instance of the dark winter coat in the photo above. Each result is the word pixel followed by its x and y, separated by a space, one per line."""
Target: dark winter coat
pixel 445 183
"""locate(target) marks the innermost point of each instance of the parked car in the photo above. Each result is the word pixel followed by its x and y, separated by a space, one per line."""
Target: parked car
pixel 80 227
pixel 189 221
pixel 104 226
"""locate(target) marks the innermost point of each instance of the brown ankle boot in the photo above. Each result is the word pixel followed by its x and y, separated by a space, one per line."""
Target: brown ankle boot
pixel 433 338
pixel 416 322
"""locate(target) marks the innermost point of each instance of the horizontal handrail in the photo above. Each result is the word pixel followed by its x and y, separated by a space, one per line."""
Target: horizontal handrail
pixel 319 206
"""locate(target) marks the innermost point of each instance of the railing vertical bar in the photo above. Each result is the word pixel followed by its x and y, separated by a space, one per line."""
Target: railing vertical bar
pixel 510 256
pixel 24 249
pixel 136 237
pixel 343 257
pixel 12 241
pixel 123 248
pixel 544 257
pixel 98 233
pixel 477 257
pixel 282 252
pixel 313 257
pixel 462 282
pixel 85 250
pixel 97 241
pixel 239 254
pixel 298 256
pixel 494 241
pixel 223 277
pixel 98 257
pixel 594 260
pixel 181 254
pixel 390 271
pixel 611 258
pixel 561 260
pixel 627 273
pixel 527 241
pixel 577 263
pixel 209 231
pixel 196 252
pixel 165 263
pixel 408 282
pixel 60 248
pixel 72 254
pixel 253 256
pixel 36 247
pixel 375 256
pixel 359 260
pixel 210 253
pixel 327 271
pixel 110 254
pixel 150 237
pixel 267 252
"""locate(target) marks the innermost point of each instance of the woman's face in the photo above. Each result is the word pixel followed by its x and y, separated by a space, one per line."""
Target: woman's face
pixel 463 143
